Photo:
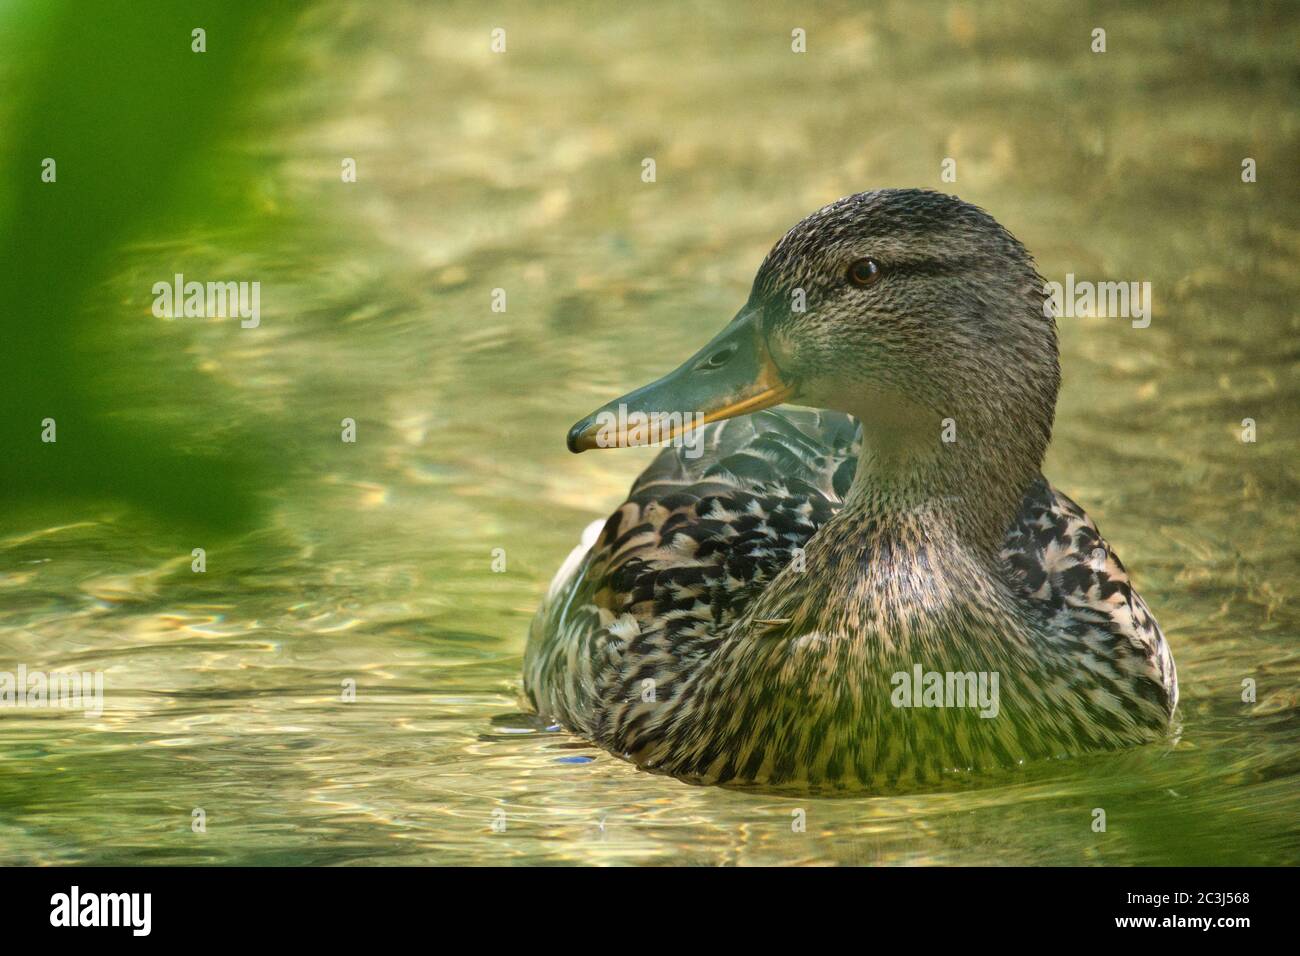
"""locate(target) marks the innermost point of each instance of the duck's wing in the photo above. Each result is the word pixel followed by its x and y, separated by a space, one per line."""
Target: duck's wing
pixel 1059 562
pixel 696 540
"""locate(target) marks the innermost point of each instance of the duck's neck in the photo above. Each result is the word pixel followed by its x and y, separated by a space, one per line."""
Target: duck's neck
pixel 959 479
pixel 899 561
pixel 921 528
pixel 930 504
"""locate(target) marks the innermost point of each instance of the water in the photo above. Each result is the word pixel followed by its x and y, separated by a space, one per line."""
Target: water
pixel 372 562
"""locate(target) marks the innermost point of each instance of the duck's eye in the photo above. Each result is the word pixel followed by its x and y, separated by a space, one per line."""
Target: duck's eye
pixel 864 272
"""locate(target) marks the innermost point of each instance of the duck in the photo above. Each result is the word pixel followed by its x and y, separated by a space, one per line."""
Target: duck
pixel 875 590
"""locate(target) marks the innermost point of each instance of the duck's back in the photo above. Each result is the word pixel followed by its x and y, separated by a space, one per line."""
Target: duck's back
pixel 696 539
pixel 645 597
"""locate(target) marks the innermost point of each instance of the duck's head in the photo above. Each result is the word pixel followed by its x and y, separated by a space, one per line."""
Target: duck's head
pixel 904 308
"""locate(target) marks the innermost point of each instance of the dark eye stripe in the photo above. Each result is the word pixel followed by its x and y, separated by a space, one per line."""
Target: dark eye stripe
pixel 933 267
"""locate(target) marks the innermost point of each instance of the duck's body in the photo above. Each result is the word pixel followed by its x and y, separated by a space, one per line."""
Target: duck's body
pixel 763 613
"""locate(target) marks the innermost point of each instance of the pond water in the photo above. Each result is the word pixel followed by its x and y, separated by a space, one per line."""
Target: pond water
pixel 370 564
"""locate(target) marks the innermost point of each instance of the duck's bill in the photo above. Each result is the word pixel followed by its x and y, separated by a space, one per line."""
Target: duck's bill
pixel 732 375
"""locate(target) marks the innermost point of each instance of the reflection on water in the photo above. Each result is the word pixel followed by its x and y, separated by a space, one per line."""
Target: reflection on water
pixel 225 691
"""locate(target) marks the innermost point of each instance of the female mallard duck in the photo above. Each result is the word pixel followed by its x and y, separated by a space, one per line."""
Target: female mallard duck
pixel 870 597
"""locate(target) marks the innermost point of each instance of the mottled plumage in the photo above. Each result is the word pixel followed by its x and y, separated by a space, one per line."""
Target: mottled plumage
pixel 743 617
